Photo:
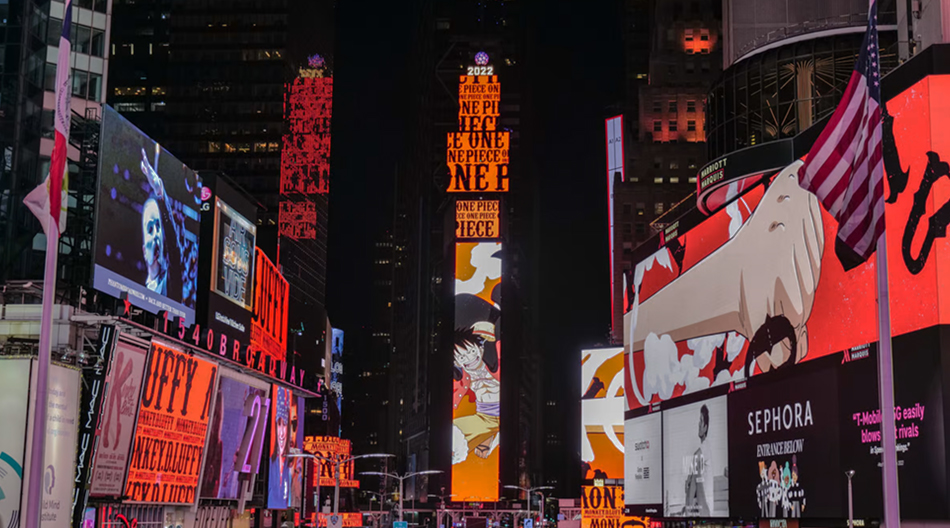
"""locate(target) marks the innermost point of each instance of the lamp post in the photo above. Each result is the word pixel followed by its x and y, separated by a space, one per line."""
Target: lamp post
pixel 850 473
pixel 441 498
pixel 337 461
pixel 401 478
pixel 529 491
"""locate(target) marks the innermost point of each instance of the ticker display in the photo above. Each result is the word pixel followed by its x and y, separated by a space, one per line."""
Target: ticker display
pixel 476 413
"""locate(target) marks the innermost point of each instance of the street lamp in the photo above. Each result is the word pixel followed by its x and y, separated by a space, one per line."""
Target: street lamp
pixel 337 461
pixel 850 473
pixel 401 478
pixel 529 491
pixel 442 498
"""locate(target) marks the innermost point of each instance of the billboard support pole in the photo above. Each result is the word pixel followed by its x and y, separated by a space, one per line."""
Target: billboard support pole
pixel 38 443
pixel 886 392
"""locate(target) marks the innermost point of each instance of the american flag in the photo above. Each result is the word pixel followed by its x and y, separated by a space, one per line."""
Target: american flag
pixel 47 201
pixel 844 168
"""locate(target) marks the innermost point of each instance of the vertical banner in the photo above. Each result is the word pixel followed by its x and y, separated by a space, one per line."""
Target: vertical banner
pixel 173 422
pixel 476 402
pixel 14 388
pixel 62 436
pixel 285 482
pixel 477 155
pixel 117 422
pixel 237 427
pixel 614 169
pixel 271 302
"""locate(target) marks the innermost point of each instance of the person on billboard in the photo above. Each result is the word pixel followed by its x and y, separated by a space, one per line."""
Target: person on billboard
pixel 158 212
pixel 279 482
pixel 696 503
pixel 476 372
pixel 296 466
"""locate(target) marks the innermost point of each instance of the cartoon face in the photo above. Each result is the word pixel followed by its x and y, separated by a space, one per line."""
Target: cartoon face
pixel 467 354
pixel 153 236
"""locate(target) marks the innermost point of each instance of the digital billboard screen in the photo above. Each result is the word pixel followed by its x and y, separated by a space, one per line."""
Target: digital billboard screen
pixel 174 409
pixel 120 409
pixel 643 463
pixel 232 265
pixel 271 305
pixel 696 460
pixel 147 223
pixel 602 507
pixel 602 434
pixel 284 485
pixel 477 155
pixel 331 447
pixel 476 405
pixel 236 435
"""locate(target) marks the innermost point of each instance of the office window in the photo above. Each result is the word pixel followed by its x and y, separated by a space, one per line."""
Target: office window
pixel 130 107
pixel 81 37
pixel 672 107
pixel 674 179
pixel 672 125
pixel 657 162
pixel 641 229
pixel 54 29
pixel 49 78
pixel 690 67
pixel 688 35
pixel 626 228
pixel 691 106
pixel 692 164
pixel 95 87
pixel 641 208
pixel 692 179
pixel 674 165
pixel 80 83
pixel 657 107
pixel 627 209
pixel 98 46
pixel 658 126
pixel 691 126
pixel 658 208
pixel 658 179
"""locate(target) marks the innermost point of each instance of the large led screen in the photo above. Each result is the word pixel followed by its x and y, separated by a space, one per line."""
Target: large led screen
pixel 231 298
pixel 236 437
pixel 602 440
pixel 330 448
pixel 476 405
pixel 477 155
pixel 271 303
pixel 120 409
pixel 643 463
pixel 757 286
pixel 602 507
pixel 696 460
pixel 783 447
pixel 173 421
pixel 147 222
pixel 284 485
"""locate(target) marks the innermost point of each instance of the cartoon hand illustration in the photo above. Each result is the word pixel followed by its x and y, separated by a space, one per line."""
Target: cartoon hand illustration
pixel 765 277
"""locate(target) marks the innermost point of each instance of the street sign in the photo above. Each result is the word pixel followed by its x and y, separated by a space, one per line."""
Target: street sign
pixel 401 524
pixel 529 523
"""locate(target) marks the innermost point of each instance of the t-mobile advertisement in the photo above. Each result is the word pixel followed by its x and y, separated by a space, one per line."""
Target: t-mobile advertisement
pixel 783 433
pixel 147 222
pixel 919 423
pixel 643 464
pixel 696 460
pixel 117 422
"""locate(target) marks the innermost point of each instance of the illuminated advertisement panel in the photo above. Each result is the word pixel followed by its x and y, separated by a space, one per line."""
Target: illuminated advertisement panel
pixel 643 463
pixel 602 441
pixel 696 460
pixel 284 485
pixel 602 507
pixel 236 438
pixel 271 302
pixel 477 219
pixel 477 155
pixel 350 520
pixel 477 371
pixel 331 447
pixel 120 409
pixel 336 367
pixel 147 222
pixel 173 420
pixel 614 169
pixel 233 264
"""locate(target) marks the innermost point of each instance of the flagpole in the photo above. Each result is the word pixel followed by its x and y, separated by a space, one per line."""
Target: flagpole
pixel 885 380
pixel 38 444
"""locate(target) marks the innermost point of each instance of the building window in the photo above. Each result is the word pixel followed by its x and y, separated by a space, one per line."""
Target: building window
pixel 657 107
pixel 657 162
pixel 81 37
pixel 674 179
pixel 49 81
pixel 691 106
pixel 158 90
pixel 658 126
pixel 54 30
pixel 672 125
pixel 98 46
pixel 658 179
pixel 674 165
pixel 690 67
pixel 692 179
pixel 95 87
pixel 158 106
pixel 130 107
pixel 80 83
pixel 627 209
pixel 691 126
pixel 626 228
pixel 692 164
pixel 688 35
pixel 658 208
pixel 641 208
pixel 672 107
pixel 641 229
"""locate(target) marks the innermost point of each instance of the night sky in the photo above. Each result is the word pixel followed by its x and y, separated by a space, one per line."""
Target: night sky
pixel 576 76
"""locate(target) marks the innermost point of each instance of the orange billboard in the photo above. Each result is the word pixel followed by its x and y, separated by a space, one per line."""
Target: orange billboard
pixel 271 302
pixel 602 507
pixel 172 423
pixel 602 413
pixel 476 374
pixel 331 448
pixel 476 219
pixel 757 286
pixel 477 155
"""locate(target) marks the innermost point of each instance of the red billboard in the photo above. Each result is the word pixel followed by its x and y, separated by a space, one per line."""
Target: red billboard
pixel 331 448
pixel 271 302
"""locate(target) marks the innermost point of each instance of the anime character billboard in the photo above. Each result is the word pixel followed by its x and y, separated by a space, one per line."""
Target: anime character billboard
pixel 285 477
pixel 147 229
pixel 758 287
pixel 476 414
pixel 602 440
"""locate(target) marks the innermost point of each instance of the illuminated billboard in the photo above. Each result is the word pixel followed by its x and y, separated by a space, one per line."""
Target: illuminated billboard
pixel 477 155
pixel 147 222
pixel 305 152
pixel 602 507
pixel 271 303
pixel 336 367
pixel 236 436
pixel 285 482
pixel 696 460
pixel 602 440
pixel 331 447
pixel 176 399
pixel 476 414
pixel 614 170
pixel 477 219
pixel 232 268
